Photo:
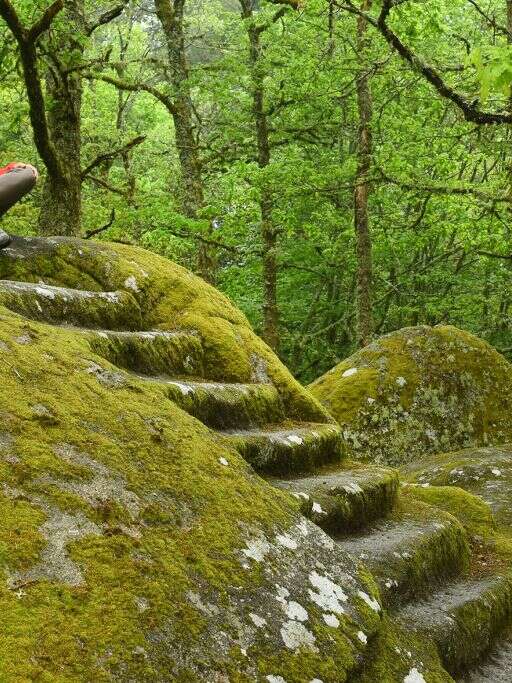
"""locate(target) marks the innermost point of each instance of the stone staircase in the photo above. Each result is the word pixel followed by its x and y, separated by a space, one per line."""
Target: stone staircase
pixel 420 556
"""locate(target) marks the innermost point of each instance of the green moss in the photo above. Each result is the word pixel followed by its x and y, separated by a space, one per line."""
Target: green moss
pixel 419 391
pixel 417 548
pixel 472 512
pixel 395 652
pixel 128 530
pixel 350 497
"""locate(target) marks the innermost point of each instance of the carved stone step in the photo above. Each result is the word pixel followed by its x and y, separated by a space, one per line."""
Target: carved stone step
pixel 344 500
pixel 496 669
pixel 60 305
pixel 223 405
pixel 281 450
pixel 414 550
pixel 150 353
pixel 464 619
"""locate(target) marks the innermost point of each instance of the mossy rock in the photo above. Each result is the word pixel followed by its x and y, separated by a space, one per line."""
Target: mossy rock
pixel 413 550
pixel 484 472
pixel 135 545
pixel 417 392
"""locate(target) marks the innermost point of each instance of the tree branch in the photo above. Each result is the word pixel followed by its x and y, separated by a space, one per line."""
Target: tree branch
pixel 470 111
pixel 92 233
pixel 45 21
pixel 107 17
pixel 110 155
pixel 135 87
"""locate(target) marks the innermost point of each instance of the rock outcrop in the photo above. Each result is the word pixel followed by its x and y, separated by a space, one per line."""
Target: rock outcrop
pixel 418 391
pixel 136 544
pixel 175 507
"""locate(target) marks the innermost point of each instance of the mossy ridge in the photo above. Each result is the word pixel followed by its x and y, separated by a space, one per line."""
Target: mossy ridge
pixel 416 548
pixel 464 620
pixel 419 391
pixel 472 512
pixel 485 472
pixel 344 500
pixel 288 448
pixel 396 653
pixel 151 353
pixel 170 298
pixel 114 310
pixel 228 406
pixel 162 560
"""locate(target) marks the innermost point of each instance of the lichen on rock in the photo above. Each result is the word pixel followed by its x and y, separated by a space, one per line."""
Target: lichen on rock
pixel 135 543
pixel 419 391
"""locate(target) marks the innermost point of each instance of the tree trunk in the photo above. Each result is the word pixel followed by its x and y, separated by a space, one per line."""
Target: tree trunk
pixel 61 210
pixel 362 187
pixel 268 230
pixel 170 14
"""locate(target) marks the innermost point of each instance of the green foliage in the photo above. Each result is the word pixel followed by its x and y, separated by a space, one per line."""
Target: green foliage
pixel 429 244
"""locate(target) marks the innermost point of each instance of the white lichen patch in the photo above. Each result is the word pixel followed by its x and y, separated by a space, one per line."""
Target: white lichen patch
pixel 131 283
pixel 258 621
pixel 286 541
pixel 185 389
pixel 275 679
pixel 414 676
pixel 352 487
pixel 318 509
pixel 257 549
pixel 223 461
pixel 282 594
pixel 371 602
pixel 296 611
pixel 293 438
pixel 327 594
pixel 331 620
pixel 295 635
pixel 401 381
pixel 350 372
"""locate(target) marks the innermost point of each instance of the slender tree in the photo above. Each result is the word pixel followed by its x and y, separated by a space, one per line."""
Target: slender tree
pixel 362 184
pixel 268 230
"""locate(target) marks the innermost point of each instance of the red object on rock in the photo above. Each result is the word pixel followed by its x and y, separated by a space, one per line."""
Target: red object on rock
pixel 8 168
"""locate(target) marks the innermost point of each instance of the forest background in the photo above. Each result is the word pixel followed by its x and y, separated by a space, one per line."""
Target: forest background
pixel 339 169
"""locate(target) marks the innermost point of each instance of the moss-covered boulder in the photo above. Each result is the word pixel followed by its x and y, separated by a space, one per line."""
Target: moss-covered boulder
pixel 484 472
pixel 135 543
pixel 419 391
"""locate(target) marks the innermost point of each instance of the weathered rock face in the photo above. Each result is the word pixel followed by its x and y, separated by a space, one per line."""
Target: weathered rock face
pixel 418 391
pixel 135 543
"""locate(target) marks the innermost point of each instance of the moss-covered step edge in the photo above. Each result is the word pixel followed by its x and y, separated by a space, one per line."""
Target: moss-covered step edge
pixel 398 655
pixel 343 500
pixel 167 297
pixel 485 472
pixel 287 448
pixel 464 619
pixel 116 310
pixel 497 667
pixel 224 405
pixel 415 549
pixel 151 352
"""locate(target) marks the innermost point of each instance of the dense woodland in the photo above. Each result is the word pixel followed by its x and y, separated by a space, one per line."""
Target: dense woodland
pixel 340 169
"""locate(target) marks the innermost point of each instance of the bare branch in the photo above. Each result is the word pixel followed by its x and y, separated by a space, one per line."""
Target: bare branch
pixel 92 233
pixel 110 155
pixel 107 17
pixel 135 87
pixel 45 21
pixel 470 111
